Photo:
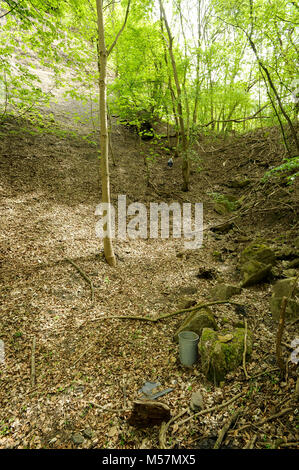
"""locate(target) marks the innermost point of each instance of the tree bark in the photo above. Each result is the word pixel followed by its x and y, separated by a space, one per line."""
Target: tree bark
pixel 104 140
pixel 184 139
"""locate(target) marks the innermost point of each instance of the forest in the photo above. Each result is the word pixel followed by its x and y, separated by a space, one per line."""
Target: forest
pixel 149 242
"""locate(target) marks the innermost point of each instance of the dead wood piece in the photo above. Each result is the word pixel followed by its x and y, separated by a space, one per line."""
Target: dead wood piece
pixel 162 317
pixel 225 428
pixel 250 444
pixel 265 420
pixel 147 413
pixel 84 275
pixel 280 329
pixel 164 428
pixel 33 362
pixel 244 352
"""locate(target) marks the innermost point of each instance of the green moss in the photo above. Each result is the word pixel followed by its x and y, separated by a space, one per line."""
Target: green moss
pixel 219 357
pixel 259 252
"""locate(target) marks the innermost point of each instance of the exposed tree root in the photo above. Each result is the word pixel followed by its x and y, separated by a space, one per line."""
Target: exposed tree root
pixel 161 317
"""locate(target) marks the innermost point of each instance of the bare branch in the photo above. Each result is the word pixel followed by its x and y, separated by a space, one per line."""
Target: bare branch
pixel 121 30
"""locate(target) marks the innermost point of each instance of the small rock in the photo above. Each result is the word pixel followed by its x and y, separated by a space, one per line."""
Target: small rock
pixel 77 438
pixel 186 302
pixel 224 291
pixel 238 183
pixel 254 272
pixel 222 228
pixel 87 433
pixel 258 252
pixel 284 288
pixel 289 273
pixel 196 402
pixel 293 264
pixel 196 321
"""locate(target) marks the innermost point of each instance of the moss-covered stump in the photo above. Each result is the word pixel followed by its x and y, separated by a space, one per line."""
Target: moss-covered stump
pixel 284 288
pixel 258 252
pixel 196 322
pixel 222 352
pixel 224 291
pixel 254 272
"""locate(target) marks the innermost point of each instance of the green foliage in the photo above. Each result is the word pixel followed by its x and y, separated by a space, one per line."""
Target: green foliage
pixel 218 72
pixel 289 169
pixel 218 197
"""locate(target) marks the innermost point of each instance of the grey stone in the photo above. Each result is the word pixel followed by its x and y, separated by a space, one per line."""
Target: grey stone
pixel 87 433
pixel 196 321
pixel 224 291
pixel 254 272
pixel 258 252
pixel 196 402
pixel 77 438
pixel 284 288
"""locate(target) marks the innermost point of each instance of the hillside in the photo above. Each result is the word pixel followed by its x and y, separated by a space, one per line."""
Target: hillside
pixel 88 369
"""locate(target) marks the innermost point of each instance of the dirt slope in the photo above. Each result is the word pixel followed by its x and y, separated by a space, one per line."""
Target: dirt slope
pixel 88 369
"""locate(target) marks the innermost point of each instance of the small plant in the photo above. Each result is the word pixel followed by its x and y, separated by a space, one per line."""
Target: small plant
pixel 218 197
pixel 291 165
pixel 18 334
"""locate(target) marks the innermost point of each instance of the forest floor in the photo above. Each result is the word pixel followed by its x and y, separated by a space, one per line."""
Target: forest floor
pixel 70 375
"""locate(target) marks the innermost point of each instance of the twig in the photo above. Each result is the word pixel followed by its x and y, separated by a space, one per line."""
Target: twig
pixel 82 355
pixel 33 362
pixel 84 275
pixel 225 428
pixel 263 421
pixel 213 408
pixel 125 393
pixel 245 351
pixel 107 410
pixel 164 428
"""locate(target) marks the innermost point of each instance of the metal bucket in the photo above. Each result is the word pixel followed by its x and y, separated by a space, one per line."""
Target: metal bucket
pixel 188 341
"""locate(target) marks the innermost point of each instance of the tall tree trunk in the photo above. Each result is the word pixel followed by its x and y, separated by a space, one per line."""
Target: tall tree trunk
pixel 186 163
pixel 197 85
pixel 104 140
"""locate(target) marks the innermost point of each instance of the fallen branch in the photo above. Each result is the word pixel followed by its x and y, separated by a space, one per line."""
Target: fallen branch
pixel 33 362
pixel 245 351
pixel 250 444
pixel 162 317
pixel 84 275
pixel 82 355
pixel 164 428
pixel 225 428
pixel 238 120
pixel 265 420
pixel 281 324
